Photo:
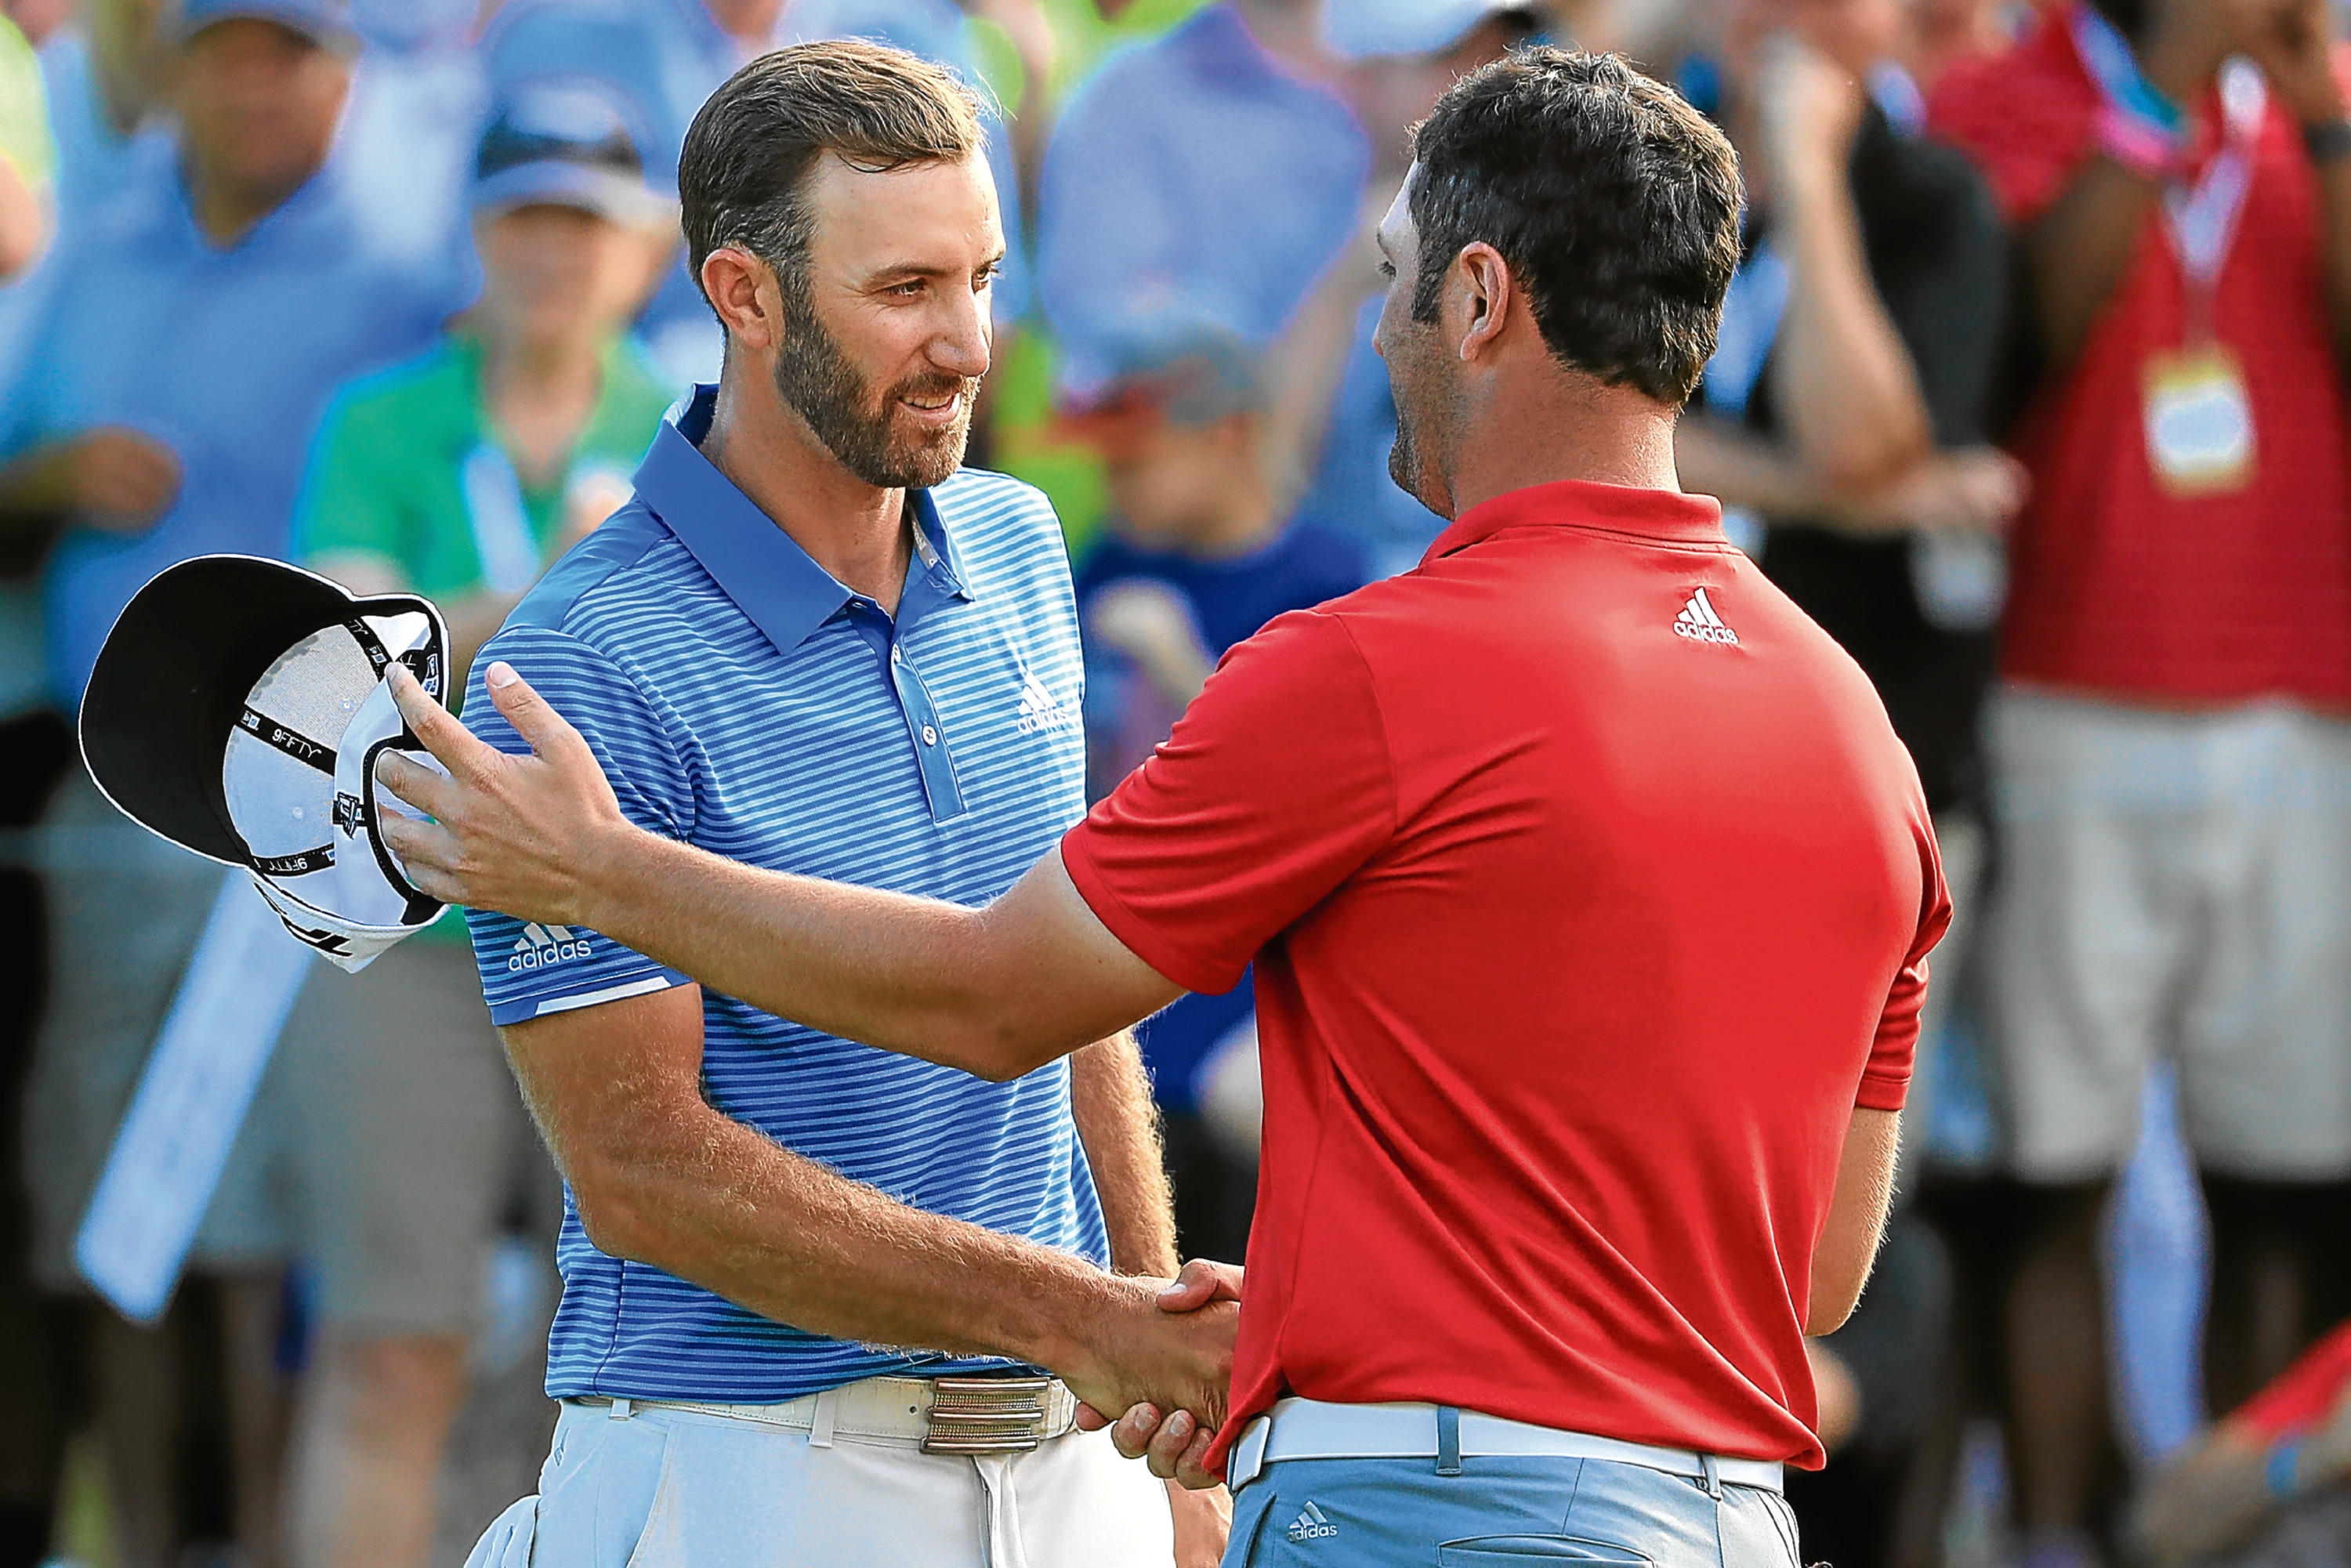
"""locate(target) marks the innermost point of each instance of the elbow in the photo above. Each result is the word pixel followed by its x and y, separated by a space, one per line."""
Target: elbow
pixel 1008 1047
pixel 613 1213
pixel 1835 1294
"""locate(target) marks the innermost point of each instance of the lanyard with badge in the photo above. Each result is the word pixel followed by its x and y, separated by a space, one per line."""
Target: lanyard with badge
pixel 2197 415
pixel 510 556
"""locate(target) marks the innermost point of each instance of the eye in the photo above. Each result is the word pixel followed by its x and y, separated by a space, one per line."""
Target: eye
pixel 1387 269
pixel 986 277
pixel 906 291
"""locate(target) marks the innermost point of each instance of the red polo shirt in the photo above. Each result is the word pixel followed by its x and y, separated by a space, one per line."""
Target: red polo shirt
pixel 2118 588
pixel 1585 908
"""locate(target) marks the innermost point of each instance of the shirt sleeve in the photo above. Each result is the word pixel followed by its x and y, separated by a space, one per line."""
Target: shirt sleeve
pixel 1885 1082
pixel 2304 1393
pixel 346 507
pixel 530 970
pixel 1275 787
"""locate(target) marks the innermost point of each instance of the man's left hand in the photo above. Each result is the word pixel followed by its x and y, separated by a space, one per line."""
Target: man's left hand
pixel 516 834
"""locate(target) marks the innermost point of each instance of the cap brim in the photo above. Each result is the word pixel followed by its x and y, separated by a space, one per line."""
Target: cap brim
pixel 326 34
pixel 1369 32
pixel 607 192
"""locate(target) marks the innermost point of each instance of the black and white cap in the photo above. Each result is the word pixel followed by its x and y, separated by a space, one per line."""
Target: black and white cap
pixel 237 709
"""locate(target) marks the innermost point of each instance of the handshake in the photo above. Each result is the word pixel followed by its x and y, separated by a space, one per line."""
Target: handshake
pixel 1159 1372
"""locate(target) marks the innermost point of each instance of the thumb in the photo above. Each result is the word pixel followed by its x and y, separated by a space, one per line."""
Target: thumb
pixel 1199 1282
pixel 546 730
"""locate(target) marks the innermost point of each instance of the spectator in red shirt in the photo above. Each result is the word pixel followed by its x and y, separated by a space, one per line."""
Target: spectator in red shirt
pixel 2171 768
pixel 1588 886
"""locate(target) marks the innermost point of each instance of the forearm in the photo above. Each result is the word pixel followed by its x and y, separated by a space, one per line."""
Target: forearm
pixel 1847 392
pixel 963 988
pixel 1856 1219
pixel 1110 1095
pixel 713 1202
pixel 1718 458
pixel 2077 252
pixel 2205 1502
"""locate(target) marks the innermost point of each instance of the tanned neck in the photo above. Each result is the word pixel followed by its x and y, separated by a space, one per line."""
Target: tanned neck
pixel 852 529
pixel 1551 426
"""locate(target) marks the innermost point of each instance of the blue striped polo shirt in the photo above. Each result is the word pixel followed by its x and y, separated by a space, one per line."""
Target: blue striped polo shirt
pixel 741 699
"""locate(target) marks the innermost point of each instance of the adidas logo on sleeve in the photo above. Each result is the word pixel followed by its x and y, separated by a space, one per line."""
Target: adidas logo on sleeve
pixel 539 945
pixel 1699 623
pixel 1311 1525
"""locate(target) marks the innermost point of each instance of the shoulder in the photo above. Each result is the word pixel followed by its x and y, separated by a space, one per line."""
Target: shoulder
pixel 391 399
pixel 631 561
pixel 2021 114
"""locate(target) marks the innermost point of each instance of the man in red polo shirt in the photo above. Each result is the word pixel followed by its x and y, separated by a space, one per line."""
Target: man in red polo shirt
pixel 1589 892
pixel 2171 771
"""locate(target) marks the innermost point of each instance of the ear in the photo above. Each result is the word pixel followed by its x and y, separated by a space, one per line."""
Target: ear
pixel 1479 293
pixel 742 289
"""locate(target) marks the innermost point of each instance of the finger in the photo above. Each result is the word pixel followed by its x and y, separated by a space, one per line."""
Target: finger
pixel 547 731
pixel 448 740
pixel 1089 1420
pixel 1192 1471
pixel 1198 1282
pixel 1131 1435
pixel 416 785
pixel 425 852
pixel 1168 1445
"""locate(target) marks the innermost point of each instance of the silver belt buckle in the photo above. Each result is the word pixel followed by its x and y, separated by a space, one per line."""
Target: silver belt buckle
pixel 986 1415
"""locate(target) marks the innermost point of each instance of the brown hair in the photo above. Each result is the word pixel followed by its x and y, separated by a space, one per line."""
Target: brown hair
pixel 747 156
pixel 1614 202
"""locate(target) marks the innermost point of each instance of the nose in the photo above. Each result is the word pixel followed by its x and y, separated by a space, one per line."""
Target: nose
pixel 961 348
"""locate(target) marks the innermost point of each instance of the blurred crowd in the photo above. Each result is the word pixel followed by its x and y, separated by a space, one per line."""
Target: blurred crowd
pixel 2031 390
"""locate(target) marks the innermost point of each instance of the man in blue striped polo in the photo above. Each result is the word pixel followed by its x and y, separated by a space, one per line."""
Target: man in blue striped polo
pixel 809 1287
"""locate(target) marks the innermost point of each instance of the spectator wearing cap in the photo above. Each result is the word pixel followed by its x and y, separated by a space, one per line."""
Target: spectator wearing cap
pixel 159 406
pixel 2170 761
pixel 1218 173
pixel 1196 556
pixel 668 55
pixel 458 474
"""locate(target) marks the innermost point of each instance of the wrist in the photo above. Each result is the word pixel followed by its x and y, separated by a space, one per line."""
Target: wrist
pixel 619 869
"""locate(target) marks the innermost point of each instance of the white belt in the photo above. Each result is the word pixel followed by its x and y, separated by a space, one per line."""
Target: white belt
pixel 1311 1430
pixel 972 1415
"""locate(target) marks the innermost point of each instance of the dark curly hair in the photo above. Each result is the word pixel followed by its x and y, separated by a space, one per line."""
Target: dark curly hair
pixel 1614 203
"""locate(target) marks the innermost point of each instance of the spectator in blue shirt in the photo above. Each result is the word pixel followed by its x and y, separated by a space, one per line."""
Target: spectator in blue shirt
pixel 1198 553
pixel 159 406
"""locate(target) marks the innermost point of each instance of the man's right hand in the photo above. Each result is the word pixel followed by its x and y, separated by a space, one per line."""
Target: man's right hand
pixel 1175 1445
pixel 110 478
pixel 1166 1350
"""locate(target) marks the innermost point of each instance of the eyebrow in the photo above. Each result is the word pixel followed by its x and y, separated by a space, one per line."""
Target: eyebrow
pixel 917 269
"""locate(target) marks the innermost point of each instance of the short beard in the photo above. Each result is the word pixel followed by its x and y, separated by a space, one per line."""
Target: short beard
pixel 816 378
pixel 1422 393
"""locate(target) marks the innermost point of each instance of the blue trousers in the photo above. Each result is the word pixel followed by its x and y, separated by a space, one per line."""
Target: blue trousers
pixel 1501 1513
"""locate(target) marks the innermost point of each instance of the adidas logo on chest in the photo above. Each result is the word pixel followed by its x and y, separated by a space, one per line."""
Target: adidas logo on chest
pixel 1040 709
pixel 1699 623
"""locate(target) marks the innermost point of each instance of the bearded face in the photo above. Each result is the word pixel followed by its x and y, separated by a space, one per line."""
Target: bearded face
pixel 873 431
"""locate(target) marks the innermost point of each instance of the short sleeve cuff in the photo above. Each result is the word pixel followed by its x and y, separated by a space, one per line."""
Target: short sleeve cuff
pixel 1883 1091
pixel 522 1009
pixel 1138 936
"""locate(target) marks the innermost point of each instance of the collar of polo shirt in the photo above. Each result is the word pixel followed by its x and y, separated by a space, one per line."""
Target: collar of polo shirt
pixel 759 566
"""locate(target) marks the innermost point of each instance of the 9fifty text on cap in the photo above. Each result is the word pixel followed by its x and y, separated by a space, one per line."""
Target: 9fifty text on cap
pixel 238 708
